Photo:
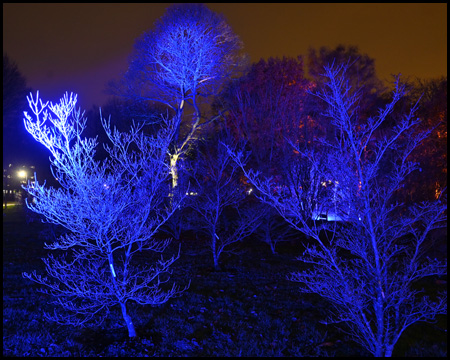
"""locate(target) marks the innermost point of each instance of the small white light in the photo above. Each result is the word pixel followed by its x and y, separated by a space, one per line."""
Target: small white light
pixel 112 270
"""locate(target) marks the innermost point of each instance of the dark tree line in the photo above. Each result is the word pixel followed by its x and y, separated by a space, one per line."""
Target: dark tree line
pixel 19 148
pixel 15 91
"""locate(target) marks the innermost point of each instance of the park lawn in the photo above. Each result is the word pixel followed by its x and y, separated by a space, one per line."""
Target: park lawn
pixel 248 308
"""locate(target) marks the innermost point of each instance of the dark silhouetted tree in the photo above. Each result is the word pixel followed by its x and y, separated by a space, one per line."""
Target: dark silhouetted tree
pixel 369 264
pixel 273 229
pixel 14 101
pixel 432 152
pixel 111 209
pixel 14 92
pixel 266 107
pixel 219 200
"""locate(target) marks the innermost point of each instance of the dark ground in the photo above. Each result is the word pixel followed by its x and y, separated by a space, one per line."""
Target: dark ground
pixel 246 309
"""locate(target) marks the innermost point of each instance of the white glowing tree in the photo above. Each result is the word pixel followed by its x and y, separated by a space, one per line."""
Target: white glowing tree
pixel 367 266
pixel 111 209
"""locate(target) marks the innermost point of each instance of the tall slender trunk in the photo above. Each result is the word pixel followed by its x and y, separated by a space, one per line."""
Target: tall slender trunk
pixel 216 262
pixel 126 317
pixel 268 236
pixel 128 321
pixel 174 171
pixel 214 251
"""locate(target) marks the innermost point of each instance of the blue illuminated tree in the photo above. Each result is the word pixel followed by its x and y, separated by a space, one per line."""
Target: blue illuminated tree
pixel 367 265
pixel 360 73
pixel 219 201
pixel 182 61
pixel 111 209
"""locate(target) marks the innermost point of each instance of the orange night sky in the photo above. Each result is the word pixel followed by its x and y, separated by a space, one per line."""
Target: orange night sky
pixel 79 47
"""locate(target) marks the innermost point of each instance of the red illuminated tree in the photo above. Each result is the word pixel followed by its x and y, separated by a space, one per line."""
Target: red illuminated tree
pixel 266 108
pixel 268 105
pixel 432 152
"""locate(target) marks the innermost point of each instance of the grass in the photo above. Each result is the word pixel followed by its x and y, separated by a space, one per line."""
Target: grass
pixel 246 309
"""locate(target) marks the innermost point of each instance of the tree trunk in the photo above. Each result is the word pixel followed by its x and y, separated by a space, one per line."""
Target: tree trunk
pixel 215 254
pixel 128 321
pixel 388 351
pixel 268 236
pixel 174 171
pixel 216 263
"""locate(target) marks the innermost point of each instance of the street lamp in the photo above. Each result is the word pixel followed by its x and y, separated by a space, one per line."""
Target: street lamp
pixel 23 174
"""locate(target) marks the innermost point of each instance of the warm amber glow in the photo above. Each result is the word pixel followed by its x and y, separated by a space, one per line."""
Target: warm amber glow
pixel 22 173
